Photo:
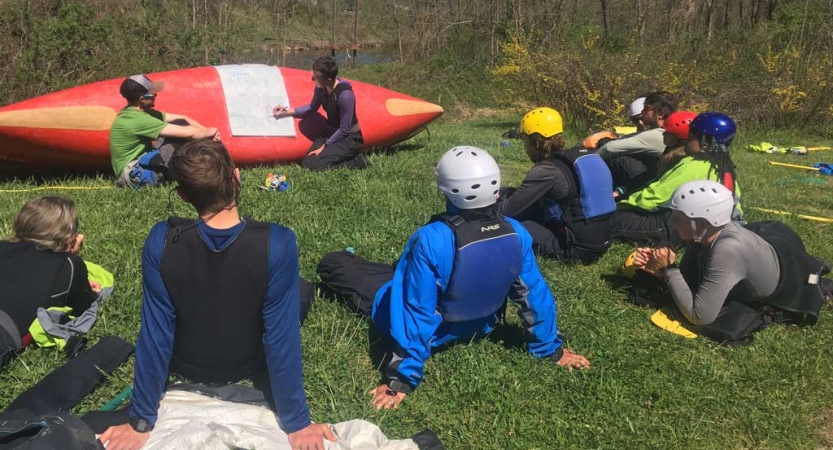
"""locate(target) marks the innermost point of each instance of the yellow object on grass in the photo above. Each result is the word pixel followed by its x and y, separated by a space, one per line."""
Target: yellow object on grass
pixel 661 319
pixel 628 268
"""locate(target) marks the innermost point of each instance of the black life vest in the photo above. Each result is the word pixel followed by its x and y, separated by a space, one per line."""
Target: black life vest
pixel 330 103
pixel 591 194
pixel 488 259
pixel 218 298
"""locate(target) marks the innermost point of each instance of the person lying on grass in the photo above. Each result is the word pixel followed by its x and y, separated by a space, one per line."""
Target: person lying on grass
pixel 40 266
pixel 567 215
pixel 642 217
pixel 452 280
pixel 221 303
pixel 726 262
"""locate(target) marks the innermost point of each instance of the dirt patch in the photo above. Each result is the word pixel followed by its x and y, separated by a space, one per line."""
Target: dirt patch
pixel 826 430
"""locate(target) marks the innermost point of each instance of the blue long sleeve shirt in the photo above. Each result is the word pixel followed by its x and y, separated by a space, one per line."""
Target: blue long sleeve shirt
pixel 406 307
pixel 281 339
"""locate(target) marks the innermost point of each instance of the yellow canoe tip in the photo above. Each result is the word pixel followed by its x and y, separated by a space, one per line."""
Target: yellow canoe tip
pixel 403 107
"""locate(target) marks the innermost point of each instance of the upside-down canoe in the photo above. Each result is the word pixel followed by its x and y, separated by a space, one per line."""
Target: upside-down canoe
pixel 69 129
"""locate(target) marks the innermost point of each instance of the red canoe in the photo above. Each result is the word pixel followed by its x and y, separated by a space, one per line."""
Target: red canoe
pixel 69 129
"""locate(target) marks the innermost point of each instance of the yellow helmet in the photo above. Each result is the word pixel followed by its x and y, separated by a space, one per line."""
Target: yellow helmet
pixel 544 121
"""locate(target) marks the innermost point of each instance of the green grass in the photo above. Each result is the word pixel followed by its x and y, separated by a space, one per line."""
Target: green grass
pixel 646 388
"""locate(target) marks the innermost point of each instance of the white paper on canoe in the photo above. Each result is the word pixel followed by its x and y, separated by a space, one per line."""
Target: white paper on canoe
pixel 251 91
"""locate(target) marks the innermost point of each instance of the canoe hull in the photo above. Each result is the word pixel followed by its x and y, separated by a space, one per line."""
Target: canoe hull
pixel 69 129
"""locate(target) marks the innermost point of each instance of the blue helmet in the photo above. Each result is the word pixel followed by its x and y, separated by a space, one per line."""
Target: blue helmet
pixel 716 131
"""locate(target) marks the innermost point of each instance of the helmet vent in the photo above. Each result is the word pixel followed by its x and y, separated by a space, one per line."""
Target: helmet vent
pixel 475 186
pixel 474 154
pixel 495 192
pixel 494 182
pixel 459 153
pixel 455 191
pixel 471 197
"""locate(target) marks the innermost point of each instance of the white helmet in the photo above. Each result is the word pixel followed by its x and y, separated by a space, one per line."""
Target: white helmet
pixel 704 199
pixel 469 177
pixel 635 109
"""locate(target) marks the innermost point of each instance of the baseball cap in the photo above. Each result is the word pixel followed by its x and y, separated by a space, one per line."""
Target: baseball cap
pixel 134 87
pixel 145 82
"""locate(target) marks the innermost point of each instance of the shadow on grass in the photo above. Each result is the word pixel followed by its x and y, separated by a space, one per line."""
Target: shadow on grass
pixel 643 290
pixel 397 148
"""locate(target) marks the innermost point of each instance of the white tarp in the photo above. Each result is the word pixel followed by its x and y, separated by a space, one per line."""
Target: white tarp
pixel 251 91
pixel 189 421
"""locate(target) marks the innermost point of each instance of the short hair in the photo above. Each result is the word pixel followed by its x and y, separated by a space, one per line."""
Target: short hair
pixel 327 66
pixel 663 102
pixel 46 221
pixel 204 172
pixel 131 90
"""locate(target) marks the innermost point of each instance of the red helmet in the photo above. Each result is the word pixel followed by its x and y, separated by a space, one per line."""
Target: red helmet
pixel 677 123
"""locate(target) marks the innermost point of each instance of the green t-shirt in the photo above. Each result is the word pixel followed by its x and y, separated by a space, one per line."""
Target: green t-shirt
pixel 132 134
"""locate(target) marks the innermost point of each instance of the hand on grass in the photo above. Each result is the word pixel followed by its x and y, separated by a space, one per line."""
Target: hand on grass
pixel 311 437
pixel 123 437
pixel 572 361
pixel 95 286
pixel 383 399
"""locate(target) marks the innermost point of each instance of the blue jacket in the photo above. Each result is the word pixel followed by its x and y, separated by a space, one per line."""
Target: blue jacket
pixel 406 307
pixel 282 334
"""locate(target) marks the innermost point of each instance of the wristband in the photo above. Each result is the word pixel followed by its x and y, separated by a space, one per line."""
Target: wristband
pixel 140 425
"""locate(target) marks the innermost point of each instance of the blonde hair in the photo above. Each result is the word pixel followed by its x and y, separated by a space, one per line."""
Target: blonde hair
pixel 46 221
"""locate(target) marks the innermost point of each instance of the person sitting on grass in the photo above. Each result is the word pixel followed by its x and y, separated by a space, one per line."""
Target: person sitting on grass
pixel 675 136
pixel 764 265
pixel 136 162
pixel 221 303
pixel 40 266
pixel 642 217
pixel 453 279
pixel 564 201
pixel 340 146
pixel 633 158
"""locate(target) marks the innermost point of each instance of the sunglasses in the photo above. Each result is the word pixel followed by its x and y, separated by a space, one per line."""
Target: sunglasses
pixel 149 96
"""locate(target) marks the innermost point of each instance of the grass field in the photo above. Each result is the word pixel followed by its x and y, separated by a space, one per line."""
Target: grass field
pixel 646 388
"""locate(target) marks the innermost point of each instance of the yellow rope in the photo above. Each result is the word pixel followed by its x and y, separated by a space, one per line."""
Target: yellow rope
pixel 65 188
pixel 785 213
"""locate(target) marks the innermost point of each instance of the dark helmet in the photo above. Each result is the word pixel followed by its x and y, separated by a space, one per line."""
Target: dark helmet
pixel 715 131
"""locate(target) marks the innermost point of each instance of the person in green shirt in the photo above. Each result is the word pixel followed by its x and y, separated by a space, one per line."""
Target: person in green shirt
pixel 136 161
pixel 642 217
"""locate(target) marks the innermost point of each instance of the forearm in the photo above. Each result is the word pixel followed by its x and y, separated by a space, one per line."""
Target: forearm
pixel 282 331
pixel 699 308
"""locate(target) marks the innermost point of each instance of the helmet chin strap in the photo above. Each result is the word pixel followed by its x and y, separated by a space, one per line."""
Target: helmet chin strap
pixel 698 237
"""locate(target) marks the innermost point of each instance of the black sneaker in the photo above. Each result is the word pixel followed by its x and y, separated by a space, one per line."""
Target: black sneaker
pixel 361 162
